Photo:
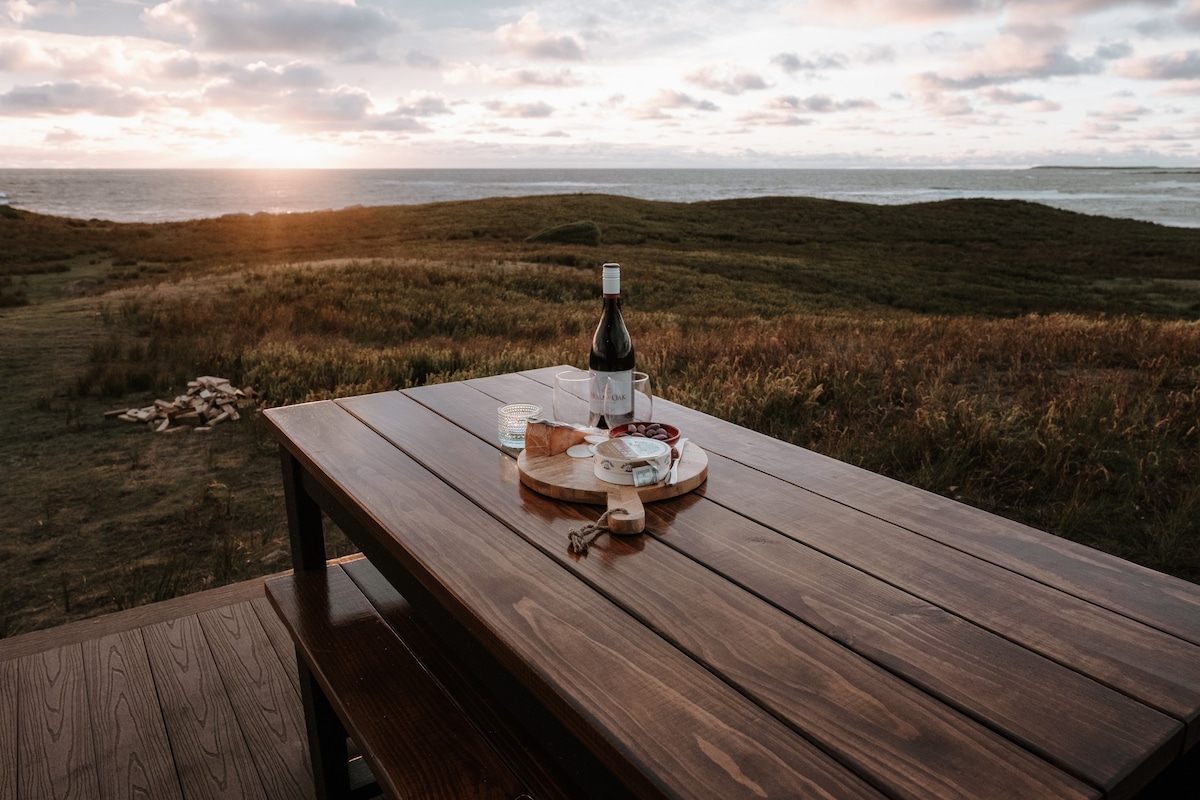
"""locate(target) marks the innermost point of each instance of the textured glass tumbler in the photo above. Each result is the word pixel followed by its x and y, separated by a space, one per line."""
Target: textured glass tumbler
pixel 512 419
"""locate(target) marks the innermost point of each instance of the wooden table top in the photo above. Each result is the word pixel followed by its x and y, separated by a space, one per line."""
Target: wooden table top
pixel 795 626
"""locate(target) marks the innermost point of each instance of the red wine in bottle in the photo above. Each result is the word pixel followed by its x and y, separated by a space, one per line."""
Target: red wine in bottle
pixel 611 360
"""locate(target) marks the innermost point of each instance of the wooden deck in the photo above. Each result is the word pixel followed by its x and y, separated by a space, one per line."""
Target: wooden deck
pixel 196 697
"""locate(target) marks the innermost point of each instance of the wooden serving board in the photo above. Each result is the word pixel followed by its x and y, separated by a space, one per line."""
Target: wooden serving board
pixel 566 478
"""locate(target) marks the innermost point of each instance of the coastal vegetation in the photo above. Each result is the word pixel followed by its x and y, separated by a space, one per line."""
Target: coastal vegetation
pixel 1036 363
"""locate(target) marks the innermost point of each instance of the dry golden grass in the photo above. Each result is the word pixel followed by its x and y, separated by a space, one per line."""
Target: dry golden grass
pixel 901 340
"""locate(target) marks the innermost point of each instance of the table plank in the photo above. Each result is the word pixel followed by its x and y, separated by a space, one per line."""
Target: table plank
pixel 1113 741
pixel 130 739
pixel 56 757
pixel 903 740
pixel 1158 600
pixel 639 694
pixel 262 699
pixel 1149 665
pixel 1117 744
pixel 211 755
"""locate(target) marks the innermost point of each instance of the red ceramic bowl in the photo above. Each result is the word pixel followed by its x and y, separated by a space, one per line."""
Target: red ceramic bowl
pixel 629 427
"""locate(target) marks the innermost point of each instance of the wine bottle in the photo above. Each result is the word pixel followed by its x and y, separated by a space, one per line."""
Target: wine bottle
pixel 611 360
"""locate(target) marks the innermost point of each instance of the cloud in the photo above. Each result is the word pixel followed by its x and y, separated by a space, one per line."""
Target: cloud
pixel 1181 65
pixel 728 81
pixel 1082 7
pixel 300 95
pixel 874 12
pixel 394 122
pixel 1155 27
pixel 670 99
pixel 85 57
pixel 345 104
pixel 423 104
pixel 1112 51
pixel 820 104
pixel 1120 112
pixel 761 118
pixel 66 56
pixel 1167 135
pixel 180 65
pixel 878 54
pixel 418 60
pixel 562 78
pixel 1021 53
pixel 73 97
pixel 1092 130
pixel 525 76
pixel 526 38
pixel 21 10
pixel 536 110
pixel 61 135
pixel 1189 17
pixel 871 13
pixel 326 26
pixel 945 104
pixel 791 63
pixel 261 90
pixel 259 77
pixel 1027 101
pixel 21 54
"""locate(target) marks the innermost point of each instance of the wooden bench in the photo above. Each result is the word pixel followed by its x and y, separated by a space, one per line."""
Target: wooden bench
pixel 375 674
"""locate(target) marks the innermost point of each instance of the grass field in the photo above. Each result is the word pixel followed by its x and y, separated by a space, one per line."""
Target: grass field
pixel 1039 364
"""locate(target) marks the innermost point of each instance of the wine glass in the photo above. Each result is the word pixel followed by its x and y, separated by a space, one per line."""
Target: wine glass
pixel 643 399
pixel 628 403
pixel 573 397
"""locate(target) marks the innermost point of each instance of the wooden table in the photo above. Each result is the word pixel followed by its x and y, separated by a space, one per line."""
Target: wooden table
pixel 795 627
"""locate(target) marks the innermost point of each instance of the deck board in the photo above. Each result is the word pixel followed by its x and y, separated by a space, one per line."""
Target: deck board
pixel 199 714
pixel 55 756
pixel 194 697
pixel 127 724
pixel 262 697
pixel 279 638
pixel 8 730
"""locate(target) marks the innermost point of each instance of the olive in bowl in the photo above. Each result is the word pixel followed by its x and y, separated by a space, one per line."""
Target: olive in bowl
pixel 650 430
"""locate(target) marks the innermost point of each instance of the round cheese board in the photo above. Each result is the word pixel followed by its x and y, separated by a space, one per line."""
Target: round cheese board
pixel 573 479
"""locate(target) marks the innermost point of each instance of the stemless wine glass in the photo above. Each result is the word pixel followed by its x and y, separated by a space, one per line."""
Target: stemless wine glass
pixel 573 396
pixel 617 408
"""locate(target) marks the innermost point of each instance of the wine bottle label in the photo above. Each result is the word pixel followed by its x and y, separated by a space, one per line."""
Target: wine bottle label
pixel 612 396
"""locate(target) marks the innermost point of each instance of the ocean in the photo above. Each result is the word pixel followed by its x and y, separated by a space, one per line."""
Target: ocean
pixel 1168 196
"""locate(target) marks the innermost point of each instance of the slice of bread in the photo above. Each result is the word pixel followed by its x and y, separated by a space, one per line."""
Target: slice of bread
pixel 546 438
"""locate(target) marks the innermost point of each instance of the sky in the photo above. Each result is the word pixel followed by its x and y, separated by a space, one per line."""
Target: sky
pixel 625 83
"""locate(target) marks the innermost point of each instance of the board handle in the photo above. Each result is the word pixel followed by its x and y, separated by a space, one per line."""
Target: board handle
pixel 626 514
